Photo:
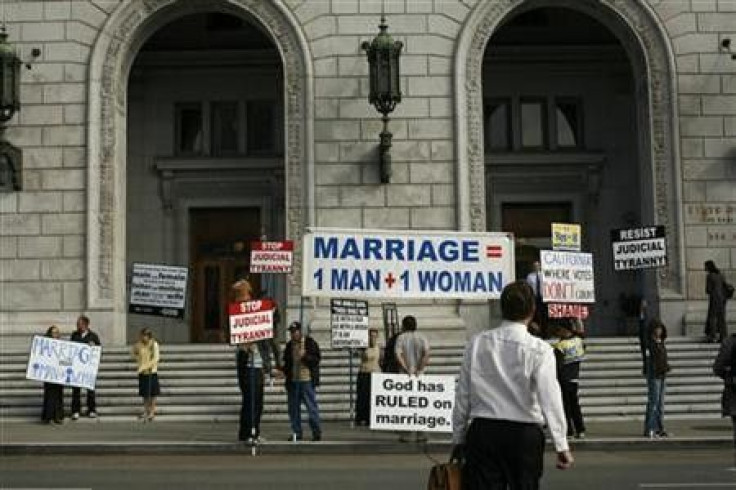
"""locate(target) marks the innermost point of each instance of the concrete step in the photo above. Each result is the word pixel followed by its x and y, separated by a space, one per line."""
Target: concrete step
pixel 198 382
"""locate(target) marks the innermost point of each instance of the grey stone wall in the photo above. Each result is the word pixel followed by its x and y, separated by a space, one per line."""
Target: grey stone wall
pixel 43 228
pixel 706 81
pixel 348 190
pixel 43 238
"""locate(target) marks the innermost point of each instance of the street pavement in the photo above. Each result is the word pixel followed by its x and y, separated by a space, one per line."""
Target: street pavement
pixel 98 436
pixel 685 468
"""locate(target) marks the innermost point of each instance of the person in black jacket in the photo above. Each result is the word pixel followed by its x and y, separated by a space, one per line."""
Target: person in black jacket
pixel 301 369
pixel 253 364
pixel 53 401
pixel 715 322
pixel 725 368
pixel 85 336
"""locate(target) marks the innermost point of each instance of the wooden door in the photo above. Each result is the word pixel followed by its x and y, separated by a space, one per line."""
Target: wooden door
pixel 220 251
pixel 531 223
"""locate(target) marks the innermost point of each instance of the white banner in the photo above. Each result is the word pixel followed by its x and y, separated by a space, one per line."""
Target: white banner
pixel 251 321
pixel 421 264
pixel 159 290
pixel 412 403
pixel 63 362
pixel 567 277
pixel 349 321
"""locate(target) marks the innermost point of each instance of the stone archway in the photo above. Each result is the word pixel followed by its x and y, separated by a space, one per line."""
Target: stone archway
pixel 635 25
pixel 115 50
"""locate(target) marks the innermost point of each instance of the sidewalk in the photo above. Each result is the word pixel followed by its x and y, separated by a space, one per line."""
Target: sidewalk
pixel 98 436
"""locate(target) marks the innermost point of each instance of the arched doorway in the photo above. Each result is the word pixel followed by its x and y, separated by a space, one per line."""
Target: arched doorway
pixel 205 169
pixel 567 113
pixel 188 152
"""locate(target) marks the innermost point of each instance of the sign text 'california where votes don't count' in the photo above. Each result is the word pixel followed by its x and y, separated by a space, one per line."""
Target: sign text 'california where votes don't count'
pixel 387 264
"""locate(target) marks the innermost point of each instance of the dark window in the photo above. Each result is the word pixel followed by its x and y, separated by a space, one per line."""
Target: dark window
pixel 224 128
pixel 189 128
pixel 498 124
pixel 533 123
pixel 569 123
pixel 261 126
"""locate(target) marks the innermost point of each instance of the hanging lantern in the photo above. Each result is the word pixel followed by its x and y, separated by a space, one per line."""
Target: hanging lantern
pixel 9 79
pixel 385 87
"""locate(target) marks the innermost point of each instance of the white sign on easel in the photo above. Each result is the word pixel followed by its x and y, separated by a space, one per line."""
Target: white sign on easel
pixel 412 403
pixel 349 321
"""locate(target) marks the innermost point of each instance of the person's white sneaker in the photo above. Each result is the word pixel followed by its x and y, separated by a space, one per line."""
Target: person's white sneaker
pixel 75 416
pixel 92 415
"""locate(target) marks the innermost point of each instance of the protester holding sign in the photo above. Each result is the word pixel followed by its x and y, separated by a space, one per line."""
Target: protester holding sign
pixel 301 368
pixel 53 393
pixel 715 323
pixel 84 335
pixel 253 361
pixel 506 390
pixel 569 353
pixel 146 353
pixel 369 363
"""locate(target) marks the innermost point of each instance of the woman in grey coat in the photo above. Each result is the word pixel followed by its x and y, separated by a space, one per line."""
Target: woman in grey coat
pixel 724 367
pixel 715 324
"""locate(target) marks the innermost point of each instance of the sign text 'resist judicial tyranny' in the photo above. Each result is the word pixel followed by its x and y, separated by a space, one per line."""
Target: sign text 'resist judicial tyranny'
pixel 386 264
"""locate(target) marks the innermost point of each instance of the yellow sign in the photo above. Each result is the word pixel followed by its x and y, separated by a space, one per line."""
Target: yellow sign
pixel 566 236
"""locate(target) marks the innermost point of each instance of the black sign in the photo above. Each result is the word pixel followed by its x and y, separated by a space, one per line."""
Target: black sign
pixel 639 248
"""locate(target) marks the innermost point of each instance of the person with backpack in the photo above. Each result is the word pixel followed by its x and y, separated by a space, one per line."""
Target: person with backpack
pixel 717 291
pixel 725 368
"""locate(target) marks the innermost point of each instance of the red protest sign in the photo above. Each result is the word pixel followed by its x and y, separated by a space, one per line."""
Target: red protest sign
pixel 568 310
pixel 251 321
pixel 272 257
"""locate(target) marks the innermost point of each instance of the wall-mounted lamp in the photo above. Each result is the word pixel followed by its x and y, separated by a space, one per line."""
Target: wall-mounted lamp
pixel 726 46
pixel 385 90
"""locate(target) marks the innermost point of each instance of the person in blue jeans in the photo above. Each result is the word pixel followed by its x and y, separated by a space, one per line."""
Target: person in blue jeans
pixel 657 367
pixel 301 370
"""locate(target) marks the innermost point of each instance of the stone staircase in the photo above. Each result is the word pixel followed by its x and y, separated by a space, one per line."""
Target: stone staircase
pixel 198 383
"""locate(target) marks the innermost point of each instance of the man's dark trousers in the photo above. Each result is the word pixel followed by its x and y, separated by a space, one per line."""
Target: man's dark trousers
pixel 501 455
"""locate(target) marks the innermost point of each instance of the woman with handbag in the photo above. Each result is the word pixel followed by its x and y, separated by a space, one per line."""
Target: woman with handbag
pixel 146 354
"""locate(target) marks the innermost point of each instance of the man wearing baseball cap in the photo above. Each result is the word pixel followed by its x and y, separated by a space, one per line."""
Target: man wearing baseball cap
pixel 301 369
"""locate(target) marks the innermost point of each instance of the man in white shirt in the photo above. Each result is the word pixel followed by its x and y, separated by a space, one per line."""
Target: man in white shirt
pixel 412 355
pixel 534 279
pixel 506 391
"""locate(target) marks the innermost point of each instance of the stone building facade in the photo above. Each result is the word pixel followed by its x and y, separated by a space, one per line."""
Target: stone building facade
pixel 174 131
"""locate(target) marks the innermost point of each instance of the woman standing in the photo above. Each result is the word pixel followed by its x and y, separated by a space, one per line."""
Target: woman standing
pixel 146 354
pixel 369 363
pixel 715 323
pixel 657 369
pixel 53 394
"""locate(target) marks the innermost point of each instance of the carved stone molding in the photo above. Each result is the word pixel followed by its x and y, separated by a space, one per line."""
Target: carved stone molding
pixel 118 43
pixel 645 42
